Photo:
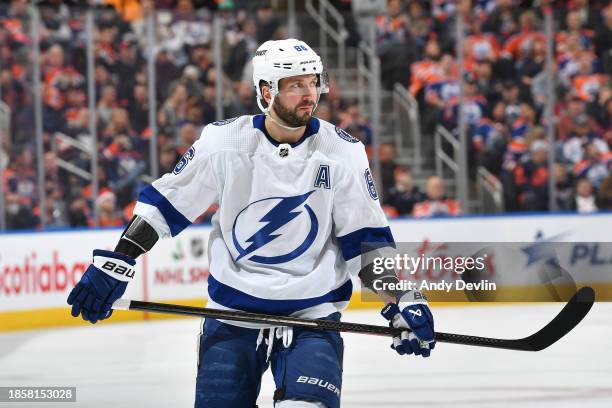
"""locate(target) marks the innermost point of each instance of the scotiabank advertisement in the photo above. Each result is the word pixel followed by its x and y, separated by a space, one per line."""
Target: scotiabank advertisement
pixel 38 270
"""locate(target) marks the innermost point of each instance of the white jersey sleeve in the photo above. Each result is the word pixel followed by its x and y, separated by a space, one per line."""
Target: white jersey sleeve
pixel 357 214
pixel 172 202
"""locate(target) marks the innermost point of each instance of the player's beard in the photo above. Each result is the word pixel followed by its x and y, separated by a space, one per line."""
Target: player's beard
pixel 291 116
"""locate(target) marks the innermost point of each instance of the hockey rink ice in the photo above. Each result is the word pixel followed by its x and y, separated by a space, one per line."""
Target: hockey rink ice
pixel 152 364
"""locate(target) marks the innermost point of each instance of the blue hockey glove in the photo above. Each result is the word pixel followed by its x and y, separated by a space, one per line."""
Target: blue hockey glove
pixel 411 311
pixel 103 282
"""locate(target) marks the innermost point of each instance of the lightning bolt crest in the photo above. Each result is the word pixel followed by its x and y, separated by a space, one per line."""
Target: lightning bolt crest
pixel 280 215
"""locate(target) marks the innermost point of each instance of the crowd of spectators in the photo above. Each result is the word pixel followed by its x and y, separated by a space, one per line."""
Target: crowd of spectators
pixel 505 96
pixel 185 95
pixel 505 90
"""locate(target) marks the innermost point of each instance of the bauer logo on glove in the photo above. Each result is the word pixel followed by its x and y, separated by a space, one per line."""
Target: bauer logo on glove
pixel 104 281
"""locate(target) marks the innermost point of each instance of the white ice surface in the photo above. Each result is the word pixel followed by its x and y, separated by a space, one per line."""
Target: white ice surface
pixel 152 364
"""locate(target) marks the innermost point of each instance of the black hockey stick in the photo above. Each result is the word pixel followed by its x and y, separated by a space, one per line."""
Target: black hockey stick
pixel 571 314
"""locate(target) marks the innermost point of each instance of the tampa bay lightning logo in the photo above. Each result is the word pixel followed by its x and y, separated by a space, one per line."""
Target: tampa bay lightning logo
pixel 187 157
pixel 285 211
pixel 344 135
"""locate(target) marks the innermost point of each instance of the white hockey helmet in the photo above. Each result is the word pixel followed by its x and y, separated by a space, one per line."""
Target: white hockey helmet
pixel 275 60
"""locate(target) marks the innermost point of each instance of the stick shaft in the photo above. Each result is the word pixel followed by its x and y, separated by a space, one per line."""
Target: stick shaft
pixel 572 313
pixel 314 324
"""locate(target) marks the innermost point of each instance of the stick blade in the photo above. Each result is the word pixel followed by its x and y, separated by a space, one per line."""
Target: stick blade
pixel 572 313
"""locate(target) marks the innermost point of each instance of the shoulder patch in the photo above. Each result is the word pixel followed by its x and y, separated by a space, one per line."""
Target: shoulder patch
pixel 370 184
pixel 344 135
pixel 187 157
pixel 224 121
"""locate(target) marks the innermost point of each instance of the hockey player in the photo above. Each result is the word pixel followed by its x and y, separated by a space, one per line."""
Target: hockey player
pixel 296 201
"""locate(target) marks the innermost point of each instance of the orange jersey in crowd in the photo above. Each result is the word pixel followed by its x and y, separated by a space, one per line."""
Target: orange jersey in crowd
pixel 424 73
pixel 536 178
pixel 130 10
pixel 54 77
pixel 521 43
pixel 387 24
pixel 432 208
pixel 582 168
pixel 112 221
pixel 587 86
pixel 15 30
pixel 482 47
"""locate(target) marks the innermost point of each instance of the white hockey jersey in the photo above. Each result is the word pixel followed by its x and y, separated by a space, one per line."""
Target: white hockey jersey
pixel 287 235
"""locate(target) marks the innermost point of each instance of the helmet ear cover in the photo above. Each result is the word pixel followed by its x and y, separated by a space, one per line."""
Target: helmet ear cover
pixel 263 83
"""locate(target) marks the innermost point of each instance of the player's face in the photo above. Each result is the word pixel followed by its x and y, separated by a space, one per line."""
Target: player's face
pixel 296 99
